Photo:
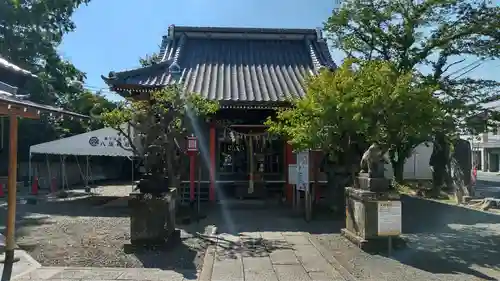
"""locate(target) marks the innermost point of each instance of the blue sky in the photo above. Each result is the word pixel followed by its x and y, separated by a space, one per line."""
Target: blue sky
pixel 113 34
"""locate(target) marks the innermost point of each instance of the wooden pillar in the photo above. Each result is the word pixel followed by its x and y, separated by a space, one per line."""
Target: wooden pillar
pixel 213 142
pixel 192 175
pixel 289 159
pixel 11 199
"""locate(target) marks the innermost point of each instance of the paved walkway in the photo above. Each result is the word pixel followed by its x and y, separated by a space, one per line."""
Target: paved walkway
pixel 105 274
pixel 253 244
pixel 263 256
pixel 267 256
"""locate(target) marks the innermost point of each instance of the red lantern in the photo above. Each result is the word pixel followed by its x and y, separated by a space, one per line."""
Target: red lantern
pixel 192 144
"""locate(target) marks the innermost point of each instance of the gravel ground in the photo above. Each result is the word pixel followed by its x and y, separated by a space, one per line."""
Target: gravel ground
pixel 84 233
pixel 445 242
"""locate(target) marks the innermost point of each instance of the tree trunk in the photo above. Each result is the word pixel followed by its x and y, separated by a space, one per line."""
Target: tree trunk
pixel 173 180
pixel 398 168
pixel 439 161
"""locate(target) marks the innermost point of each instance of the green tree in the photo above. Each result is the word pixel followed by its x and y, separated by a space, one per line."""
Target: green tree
pixel 362 100
pixel 434 37
pixel 30 32
pixel 157 128
pixel 148 60
pixel 87 103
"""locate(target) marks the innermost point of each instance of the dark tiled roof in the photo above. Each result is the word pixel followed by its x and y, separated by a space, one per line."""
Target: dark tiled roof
pixel 234 64
pixel 14 68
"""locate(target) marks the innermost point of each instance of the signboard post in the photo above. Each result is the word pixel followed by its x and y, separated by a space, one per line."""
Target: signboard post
pixel 192 149
pixel 303 170
pixel 389 221
pixel 303 181
pixel 389 218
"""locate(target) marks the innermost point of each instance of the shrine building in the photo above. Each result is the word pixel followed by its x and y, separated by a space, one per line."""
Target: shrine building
pixel 251 72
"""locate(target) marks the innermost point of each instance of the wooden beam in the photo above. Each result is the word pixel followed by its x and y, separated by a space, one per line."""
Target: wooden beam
pixel 23 112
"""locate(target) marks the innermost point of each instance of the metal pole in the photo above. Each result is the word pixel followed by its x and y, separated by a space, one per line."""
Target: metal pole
pixel 49 174
pixel 198 195
pixel 132 161
pixel 11 199
pixel 389 246
pixel 29 174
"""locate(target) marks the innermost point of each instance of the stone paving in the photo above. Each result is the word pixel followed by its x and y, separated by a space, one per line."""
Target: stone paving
pixel 261 244
pixel 263 256
pixel 106 274
pixel 267 256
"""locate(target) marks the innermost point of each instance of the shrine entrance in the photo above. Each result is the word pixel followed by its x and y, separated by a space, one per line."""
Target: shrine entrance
pixel 251 162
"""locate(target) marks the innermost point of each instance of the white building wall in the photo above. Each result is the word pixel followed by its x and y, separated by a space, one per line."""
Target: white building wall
pixel 416 166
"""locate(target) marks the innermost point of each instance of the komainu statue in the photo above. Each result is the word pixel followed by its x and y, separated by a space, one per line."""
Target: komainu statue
pixel 373 161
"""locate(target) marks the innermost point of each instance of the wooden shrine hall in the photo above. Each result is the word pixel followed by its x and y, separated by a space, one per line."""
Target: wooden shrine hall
pixel 251 72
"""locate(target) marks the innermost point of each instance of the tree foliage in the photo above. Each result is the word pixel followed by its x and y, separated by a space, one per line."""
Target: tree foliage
pixel 362 99
pixel 30 33
pixel 433 36
pixel 157 128
pixel 438 38
pixel 148 60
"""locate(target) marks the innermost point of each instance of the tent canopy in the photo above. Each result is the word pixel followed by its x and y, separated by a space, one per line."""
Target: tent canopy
pixel 102 142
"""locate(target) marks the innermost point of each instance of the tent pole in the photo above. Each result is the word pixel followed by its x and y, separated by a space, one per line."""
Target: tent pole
pixel 64 171
pixel 87 170
pixel 49 174
pixel 30 181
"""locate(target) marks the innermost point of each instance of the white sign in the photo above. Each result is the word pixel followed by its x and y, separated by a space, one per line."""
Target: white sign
pixel 389 218
pixel 292 174
pixel 303 170
pixel 109 141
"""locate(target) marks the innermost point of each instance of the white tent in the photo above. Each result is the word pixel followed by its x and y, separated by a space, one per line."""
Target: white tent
pixel 102 142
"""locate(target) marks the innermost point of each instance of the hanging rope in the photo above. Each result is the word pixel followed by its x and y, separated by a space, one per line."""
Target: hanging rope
pixel 2 121
pixel 245 135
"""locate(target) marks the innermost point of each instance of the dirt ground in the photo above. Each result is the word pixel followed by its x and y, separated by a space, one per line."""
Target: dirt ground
pixel 92 230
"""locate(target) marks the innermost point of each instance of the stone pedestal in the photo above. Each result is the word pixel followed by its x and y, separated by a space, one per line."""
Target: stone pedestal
pixel 362 219
pixel 152 219
pixel 375 184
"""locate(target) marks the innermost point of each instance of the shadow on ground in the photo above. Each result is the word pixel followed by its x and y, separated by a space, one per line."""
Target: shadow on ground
pixel 450 239
pixel 182 258
pixel 235 219
pixel 83 205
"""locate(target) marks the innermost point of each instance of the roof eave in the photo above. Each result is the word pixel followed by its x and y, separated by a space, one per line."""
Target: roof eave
pixel 5 64
pixel 41 107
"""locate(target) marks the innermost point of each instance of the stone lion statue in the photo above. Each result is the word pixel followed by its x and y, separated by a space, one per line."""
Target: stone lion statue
pixel 373 161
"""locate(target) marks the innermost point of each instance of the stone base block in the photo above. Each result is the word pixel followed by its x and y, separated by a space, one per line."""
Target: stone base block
pixel 373 184
pixel 165 245
pixel 376 245
pixel 152 219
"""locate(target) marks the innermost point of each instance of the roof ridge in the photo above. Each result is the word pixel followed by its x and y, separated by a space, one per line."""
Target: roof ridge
pixel 314 56
pixel 325 53
pixel 181 28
